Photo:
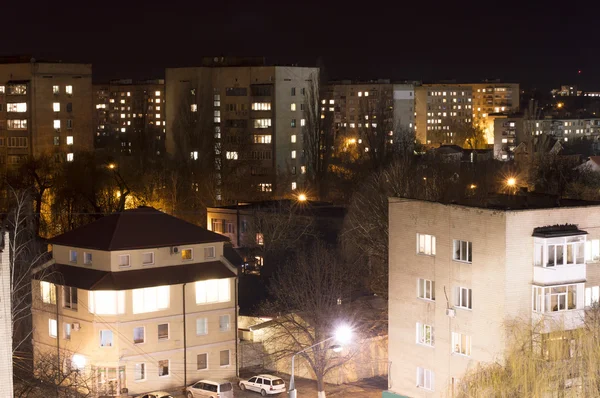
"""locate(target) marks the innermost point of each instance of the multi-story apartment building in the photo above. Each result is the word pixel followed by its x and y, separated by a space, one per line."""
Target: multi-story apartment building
pixel 490 99
pixel 511 131
pixel 255 113
pixel 441 109
pixel 140 301
pixel 457 273
pixel 45 108
pixel 130 116
pixel 363 107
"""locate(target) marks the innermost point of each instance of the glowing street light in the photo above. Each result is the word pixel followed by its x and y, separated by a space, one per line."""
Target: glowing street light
pixel 302 197
pixel 472 186
pixel 511 182
pixel 343 335
pixel 112 166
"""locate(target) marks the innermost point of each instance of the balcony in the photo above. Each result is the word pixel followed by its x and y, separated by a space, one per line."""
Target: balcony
pixel 560 320
pixel 559 274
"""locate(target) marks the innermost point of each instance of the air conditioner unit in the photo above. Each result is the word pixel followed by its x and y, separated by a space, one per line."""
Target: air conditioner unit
pixel 174 250
pixel 76 326
pixel 451 312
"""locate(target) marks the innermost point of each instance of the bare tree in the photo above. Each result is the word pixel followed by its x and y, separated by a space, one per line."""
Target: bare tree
pixel 376 127
pixel 469 135
pixel 317 136
pixel 306 292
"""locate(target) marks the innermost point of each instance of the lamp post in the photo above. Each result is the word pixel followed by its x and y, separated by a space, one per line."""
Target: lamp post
pixel 343 335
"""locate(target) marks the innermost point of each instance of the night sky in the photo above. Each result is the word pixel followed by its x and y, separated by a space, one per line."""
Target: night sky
pixel 541 47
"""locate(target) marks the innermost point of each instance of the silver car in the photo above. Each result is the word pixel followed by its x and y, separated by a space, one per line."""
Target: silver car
pixel 210 389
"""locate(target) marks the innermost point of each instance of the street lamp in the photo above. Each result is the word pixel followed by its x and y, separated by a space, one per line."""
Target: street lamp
pixel 111 166
pixel 511 182
pixel 343 335
pixel 302 197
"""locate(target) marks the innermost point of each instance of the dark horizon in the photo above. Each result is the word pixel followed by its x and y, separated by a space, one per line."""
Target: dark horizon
pixel 466 43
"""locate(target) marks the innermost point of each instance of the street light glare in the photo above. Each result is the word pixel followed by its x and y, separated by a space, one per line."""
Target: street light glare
pixel 343 334
pixel 111 166
pixel 302 197
pixel 511 182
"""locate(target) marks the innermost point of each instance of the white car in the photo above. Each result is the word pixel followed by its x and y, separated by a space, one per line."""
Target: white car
pixel 210 389
pixel 157 394
pixel 264 384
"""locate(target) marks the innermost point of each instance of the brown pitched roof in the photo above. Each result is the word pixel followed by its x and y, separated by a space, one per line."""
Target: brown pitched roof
pixel 93 279
pixel 139 228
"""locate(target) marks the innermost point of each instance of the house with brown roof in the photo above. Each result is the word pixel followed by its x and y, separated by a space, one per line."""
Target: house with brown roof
pixel 140 301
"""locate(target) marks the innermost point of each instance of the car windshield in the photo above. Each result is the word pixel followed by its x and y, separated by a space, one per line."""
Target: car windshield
pixel 225 387
pixel 278 382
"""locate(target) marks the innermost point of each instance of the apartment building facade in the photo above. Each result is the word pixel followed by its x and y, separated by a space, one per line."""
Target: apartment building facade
pixel 139 301
pixel 45 108
pixel 363 108
pixel 255 113
pixel 512 131
pixel 458 273
pixel 129 116
pixel 441 109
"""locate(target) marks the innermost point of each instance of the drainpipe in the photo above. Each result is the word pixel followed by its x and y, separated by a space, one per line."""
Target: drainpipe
pixel 237 209
pixel 58 369
pixel 184 342
pixel 237 311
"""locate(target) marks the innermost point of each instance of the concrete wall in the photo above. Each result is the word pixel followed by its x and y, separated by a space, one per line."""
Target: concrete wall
pixel 6 361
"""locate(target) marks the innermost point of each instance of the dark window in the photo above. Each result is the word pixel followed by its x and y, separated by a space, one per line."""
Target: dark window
pixel 259 381
pixel 252 380
pixel 293 91
pixel 69 107
pixel 278 382
pixel 261 90
pixel 236 91
pixel 236 123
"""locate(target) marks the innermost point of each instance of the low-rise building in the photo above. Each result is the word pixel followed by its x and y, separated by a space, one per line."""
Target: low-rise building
pixel 141 300
pixel 458 272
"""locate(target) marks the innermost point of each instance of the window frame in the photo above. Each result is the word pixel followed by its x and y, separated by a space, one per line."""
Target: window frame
pixel 461 257
pixel 71 305
pixel 206 355
pixel 228 323
pixel 422 284
pixel 112 338
pixel 168 367
pixel 424 330
pixel 85 258
pixel 457 340
pixel 191 250
pixel 67 329
pixel 128 265
pixel 51 292
pixel 135 371
pixel 168 331
pixel 228 358
pixel 458 302
pixel 143 335
pixel 71 253
pixel 205 326
pixel 422 248
pixel 214 252
pixel 220 283
pixel 427 375
pixel 53 327
pixel 150 263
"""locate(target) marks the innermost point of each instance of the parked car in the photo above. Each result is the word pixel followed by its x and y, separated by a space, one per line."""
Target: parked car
pixel 264 384
pixel 210 389
pixel 156 394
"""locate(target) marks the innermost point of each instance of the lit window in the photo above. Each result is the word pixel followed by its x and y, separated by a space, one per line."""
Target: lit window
pixel 294 186
pixel 262 123
pixel 122 101
pixel 69 140
pixel 48 292
pixel 52 328
pixel 124 260
pixel 426 244
pixel 163 331
pixel 261 106
pixel 157 93
pixel 224 358
pixel 302 122
pixel 262 139
pixel 213 291
pixel 293 122
pixel 293 107
pixel 293 138
pixel 194 155
pixel 187 254
pixel 105 302
pixel 20 107
pixel 201 326
pixel 360 93
pixel 202 361
pixel 139 335
pixel 592 250
pixel 140 372
pixel 231 155
pixel 69 90
pixel 426 289
pixel 224 323
pixel 148 258
pixel 555 298
pixel 425 378
pixel 57 124
pixel 461 344
pixel 69 297
pixel 106 338
pixel 592 295
pixel 425 334
pixel 157 101
pixel 260 239
pixel 67 330
pixel 55 89
pixel 293 154
pixel 194 107
pixel 303 169
pixel 123 129
pixel 150 299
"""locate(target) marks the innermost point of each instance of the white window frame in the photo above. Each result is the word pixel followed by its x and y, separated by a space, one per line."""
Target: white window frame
pixel 542 297
pixel 223 289
pixel 48 292
pixel 67 330
pixel 592 250
pixel 143 335
pixel 151 299
pixel 168 367
pixel 191 254
pixel 214 252
pixel 205 326
pixel 592 295
pixel 69 303
pixel 425 335
pixel 112 340
pixel 228 323
pixel 121 256
pixel 197 355
pixel 168 332
pixel 425 244
pixel 135 371
pixel 422 285
pixel 229 358
pixel 461 344
pixel 73 255
pixel 52 328
pixel 148 263
pixel 119 298
pixel 560 247
pixel 425 379
pixel 458 248
pixel 463 298
pixel 85 258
